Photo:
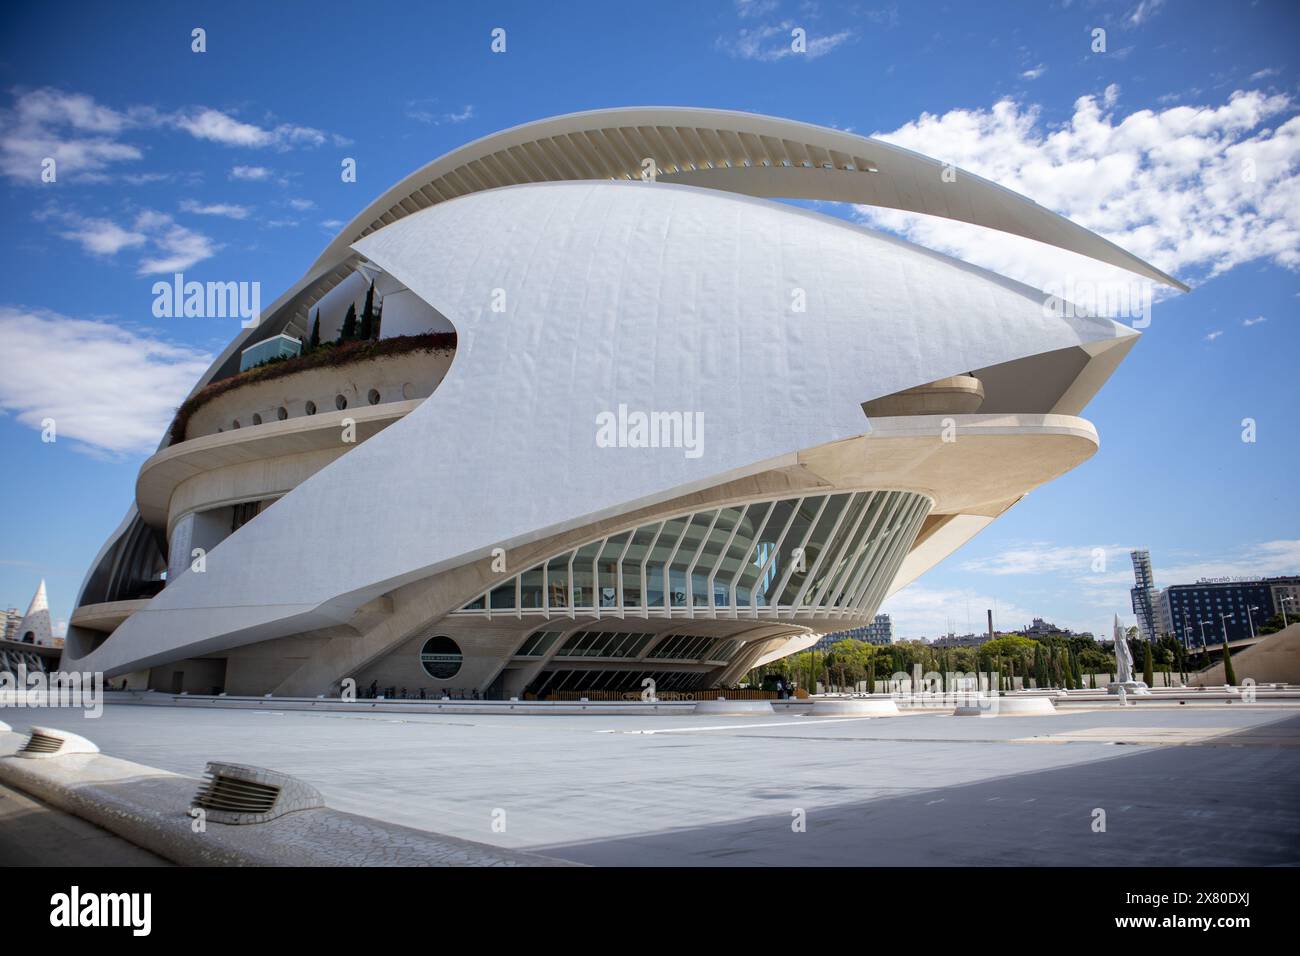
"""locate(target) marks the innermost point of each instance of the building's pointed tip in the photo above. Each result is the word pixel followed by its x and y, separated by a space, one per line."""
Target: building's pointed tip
pixel 39 600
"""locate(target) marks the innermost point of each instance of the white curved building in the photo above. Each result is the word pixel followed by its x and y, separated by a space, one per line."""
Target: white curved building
pixel 610 428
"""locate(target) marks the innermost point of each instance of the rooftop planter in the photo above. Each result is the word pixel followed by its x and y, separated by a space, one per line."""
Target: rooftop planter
pixel 326 355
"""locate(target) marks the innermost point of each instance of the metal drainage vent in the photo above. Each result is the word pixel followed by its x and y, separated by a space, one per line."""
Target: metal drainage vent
pixel 48 742
pixel 236 794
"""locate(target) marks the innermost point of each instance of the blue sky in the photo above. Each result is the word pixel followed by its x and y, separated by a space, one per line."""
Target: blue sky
pixel 225 165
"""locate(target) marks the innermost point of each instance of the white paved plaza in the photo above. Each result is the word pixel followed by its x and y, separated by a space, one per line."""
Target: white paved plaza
pixel 1178 784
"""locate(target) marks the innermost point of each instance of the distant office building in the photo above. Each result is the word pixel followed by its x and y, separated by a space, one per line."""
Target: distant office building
pixel 879 631
pixel 1286 596
pixel 10 621
pixel 1144 595
pixel 1205 608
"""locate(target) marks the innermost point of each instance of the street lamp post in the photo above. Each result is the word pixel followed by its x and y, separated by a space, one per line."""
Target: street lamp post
pixel 1223 620
pixel 1283 601
pixel 1250 618
pixel 1205 650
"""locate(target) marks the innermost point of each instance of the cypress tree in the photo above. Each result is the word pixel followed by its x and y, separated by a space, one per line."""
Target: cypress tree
pixel 1040 667
pixel 1229 675
pixel 1147 675
pixel 368 315
pixel 313 343
pixel 349 324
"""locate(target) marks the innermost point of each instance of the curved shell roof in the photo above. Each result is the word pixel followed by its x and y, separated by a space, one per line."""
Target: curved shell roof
pixel 649 296
pixel 739 152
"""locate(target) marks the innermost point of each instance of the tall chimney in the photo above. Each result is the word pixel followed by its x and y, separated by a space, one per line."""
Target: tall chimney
pixel 990 624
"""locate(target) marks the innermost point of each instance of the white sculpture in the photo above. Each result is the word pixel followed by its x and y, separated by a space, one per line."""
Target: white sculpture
pixel 1124 683
pixel 1123 656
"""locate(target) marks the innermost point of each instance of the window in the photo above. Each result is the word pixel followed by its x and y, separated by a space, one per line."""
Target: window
pixel 282 413
pixel 373 396
pixel 538 644
pixel 441 657
pixel 257 419
pixel 311 408
pixel 235 423
pixel 340 402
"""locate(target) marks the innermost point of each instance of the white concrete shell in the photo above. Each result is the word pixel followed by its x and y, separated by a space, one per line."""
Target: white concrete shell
pixel 654 296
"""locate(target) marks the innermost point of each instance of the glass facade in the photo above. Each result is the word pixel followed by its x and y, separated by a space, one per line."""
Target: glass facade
pixel 815 556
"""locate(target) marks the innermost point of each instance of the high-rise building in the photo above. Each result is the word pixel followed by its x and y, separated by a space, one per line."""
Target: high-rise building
pixel 1286 597
pixel 10 619
pixel 879 631
pixel 1203 610
pixel 1144 595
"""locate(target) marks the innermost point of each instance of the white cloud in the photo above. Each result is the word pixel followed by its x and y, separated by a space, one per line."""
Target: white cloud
pixel 106 387
pixel 302 205
pixel 1214 335
pixel 920 611
pixel 1144 11
pixel 102 237
pixel 250 173
pixel 1265 559
pixel 80 135
pixel 774 41
pixel 1264 74
pixel 1255 321
pixel 172 247
pixel 1043 558
pixel 1067 584
pixel 87 139
pixel 1194 191
pixel 422 111
pixel 1034 73
pixel 228 210
pixel 745 9
pixel 177 247
pixel 218 127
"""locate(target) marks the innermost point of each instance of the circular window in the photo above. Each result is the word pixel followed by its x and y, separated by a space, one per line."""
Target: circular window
pixel 340 402
pixel 441 657
pixel 374 396
pixel 257 418
pixel 282 413
pixel 408 390
pixel 235 423
pixel 311 408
